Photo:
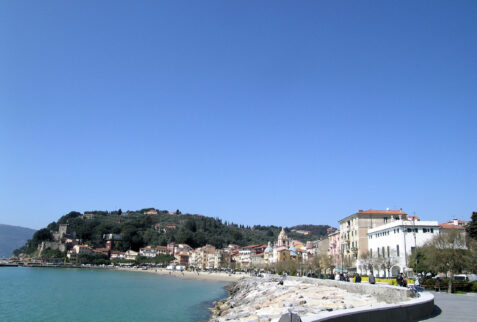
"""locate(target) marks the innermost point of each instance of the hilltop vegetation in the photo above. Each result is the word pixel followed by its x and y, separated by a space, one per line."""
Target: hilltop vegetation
pixel 315 230
pixel 139 229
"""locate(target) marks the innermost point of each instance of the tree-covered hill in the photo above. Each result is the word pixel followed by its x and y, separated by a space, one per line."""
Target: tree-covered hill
pixel 315 230
pixel 139 229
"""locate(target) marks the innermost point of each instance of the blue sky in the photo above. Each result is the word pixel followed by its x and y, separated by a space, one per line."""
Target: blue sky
pixel 267 112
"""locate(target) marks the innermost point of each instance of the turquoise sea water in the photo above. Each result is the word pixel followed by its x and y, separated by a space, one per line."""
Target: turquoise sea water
pixel 53 294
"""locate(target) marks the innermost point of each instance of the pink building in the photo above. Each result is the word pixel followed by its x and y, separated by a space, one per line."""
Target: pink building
pixel 334 250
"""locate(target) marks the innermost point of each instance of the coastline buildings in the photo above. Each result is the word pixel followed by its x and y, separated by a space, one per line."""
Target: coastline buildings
pixel 334 250
pixel 373 240
pixel 454 224
pixel 354 233
pixel 391 244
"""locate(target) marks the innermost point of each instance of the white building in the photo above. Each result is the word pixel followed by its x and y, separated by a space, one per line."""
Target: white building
pixel 245 257
pixel 148 252
pixel 391 244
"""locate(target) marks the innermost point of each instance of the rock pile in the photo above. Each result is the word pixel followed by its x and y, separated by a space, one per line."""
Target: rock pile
pixel 264 299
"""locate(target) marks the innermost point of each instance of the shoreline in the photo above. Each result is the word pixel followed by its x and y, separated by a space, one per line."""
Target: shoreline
pixel 202 276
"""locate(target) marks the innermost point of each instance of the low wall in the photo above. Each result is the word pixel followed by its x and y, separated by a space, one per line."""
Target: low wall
pixel 386 293
pixel 413 310
pixel 400 306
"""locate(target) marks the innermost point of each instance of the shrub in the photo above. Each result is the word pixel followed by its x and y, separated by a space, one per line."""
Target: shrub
pixel 473 288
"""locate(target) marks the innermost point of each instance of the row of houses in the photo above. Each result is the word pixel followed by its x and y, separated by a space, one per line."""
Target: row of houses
pixel 363 238
pixel 382 236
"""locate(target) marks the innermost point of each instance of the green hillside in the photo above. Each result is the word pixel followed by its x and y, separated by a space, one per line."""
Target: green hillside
pixel 139 229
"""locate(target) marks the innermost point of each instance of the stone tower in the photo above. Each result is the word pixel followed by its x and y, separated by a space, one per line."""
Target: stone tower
pixel 283 239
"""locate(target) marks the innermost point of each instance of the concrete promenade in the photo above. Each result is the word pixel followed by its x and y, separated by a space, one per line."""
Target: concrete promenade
pixel 453 307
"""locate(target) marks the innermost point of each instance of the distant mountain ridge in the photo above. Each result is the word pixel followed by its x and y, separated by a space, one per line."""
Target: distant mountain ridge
pixel 12 237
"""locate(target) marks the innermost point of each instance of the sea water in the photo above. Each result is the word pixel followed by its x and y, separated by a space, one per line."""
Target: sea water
pixel 56 294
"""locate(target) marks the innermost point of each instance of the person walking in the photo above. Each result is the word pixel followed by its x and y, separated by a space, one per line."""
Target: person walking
pixel 372 280
pixel 404 281
pixel 357 279
pixel 399 279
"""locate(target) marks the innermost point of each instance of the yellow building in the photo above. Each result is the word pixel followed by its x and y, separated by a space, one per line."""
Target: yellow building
pixel 283 254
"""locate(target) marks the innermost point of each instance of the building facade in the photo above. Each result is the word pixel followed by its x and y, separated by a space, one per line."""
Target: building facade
pixel 354 233
pixel 391 244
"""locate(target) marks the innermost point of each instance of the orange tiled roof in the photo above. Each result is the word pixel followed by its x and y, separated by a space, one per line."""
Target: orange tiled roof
pixel 451 226
pixel 253 246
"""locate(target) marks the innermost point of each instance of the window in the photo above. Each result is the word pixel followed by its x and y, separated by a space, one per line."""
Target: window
pixel 378 251
pixel 384 254
pixel 385 219
pixel 388 251
pixel 413 249
pixel 432 230
pixel 397 250
pixel 371 252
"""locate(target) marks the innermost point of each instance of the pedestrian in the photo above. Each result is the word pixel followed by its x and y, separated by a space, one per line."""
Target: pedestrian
pixel 357 279
pixel 417 282
pixel 372 280
pixel 437 285
pixel 404 281
pixel 399 279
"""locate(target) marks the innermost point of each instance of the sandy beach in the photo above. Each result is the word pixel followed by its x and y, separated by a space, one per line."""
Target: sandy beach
pixel 202 276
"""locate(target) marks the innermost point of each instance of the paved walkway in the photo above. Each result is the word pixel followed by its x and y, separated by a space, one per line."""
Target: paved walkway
pixel 454 307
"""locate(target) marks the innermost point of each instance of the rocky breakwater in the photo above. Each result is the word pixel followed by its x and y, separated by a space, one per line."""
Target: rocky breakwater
pixel 267 299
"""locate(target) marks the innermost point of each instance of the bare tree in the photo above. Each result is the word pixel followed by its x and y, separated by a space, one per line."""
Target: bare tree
pixel 325 262
pixel 448 252
pixel 388 262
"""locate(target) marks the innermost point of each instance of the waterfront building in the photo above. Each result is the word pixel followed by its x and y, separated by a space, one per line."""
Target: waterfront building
pixel 131 255
pixel 117 254
pixel 283 254
pixel 389 245
pixel 334 249
pixel 148 252
pixel 257 260
pixel 354 232
pixel 245 257
pixel 454 224
pixel 162 250
pixel 182 258
pixel 235 258
pixel 102 251
pixel 82 249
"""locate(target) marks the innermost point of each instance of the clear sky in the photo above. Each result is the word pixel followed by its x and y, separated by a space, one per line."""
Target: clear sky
pixel 257 112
